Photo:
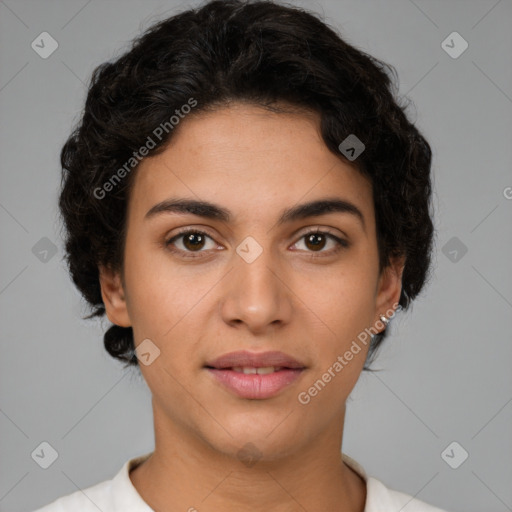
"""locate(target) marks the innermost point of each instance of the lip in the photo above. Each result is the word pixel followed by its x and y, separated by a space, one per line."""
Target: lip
pixel 255 386
pixel 255 360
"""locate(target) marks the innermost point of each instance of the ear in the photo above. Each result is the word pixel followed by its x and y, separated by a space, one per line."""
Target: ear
pixel 389 288
pixel 113 295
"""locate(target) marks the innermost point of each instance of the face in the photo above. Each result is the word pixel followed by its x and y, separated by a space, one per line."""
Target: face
pixel 306 286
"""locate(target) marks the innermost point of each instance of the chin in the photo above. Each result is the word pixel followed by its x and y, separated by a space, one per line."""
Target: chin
pixel 251 444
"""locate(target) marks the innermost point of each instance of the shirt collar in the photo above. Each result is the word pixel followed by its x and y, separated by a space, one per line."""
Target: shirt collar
pixel 126 496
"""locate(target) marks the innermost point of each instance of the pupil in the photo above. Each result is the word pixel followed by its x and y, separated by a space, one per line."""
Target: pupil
pixel 316 245
pixel 189 239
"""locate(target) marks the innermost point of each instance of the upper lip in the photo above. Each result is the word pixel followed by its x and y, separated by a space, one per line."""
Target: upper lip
pixel 244 358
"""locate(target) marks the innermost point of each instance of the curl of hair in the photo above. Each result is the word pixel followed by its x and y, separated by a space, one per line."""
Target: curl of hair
pixel 252 51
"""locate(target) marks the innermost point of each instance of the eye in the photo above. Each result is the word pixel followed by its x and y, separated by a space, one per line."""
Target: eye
pixel 192 241
pixel 316 240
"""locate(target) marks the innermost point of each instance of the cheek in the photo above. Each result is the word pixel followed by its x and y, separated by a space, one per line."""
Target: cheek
pixel 338 318
pixel 343 298
pixel 166 304
pixel 342 308
pixel 158 296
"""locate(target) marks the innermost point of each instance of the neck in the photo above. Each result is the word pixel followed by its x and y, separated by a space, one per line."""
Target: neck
pixel 185 473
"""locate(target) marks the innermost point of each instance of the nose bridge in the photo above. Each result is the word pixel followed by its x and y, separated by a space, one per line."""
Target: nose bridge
pixel 256 295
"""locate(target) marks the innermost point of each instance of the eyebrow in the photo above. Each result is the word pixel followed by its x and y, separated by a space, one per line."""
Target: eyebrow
pixel 212 211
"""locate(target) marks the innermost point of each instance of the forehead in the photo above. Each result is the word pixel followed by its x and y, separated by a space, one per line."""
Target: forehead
pixel 250 160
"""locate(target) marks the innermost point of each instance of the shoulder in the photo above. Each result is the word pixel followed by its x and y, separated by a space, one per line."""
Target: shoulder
pixel 91 499
pixel 115 495
pixel 381 498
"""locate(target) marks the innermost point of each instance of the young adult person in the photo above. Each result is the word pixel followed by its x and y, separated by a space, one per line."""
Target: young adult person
pixel 246 200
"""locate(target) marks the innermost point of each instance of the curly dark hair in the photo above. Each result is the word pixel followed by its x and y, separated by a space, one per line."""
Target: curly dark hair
pixel 259 52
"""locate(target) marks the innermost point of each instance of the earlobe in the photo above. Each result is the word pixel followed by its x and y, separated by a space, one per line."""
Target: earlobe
pixel 113 295
pixel 390 287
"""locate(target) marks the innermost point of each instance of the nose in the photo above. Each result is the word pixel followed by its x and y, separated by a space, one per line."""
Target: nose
pixel 258 295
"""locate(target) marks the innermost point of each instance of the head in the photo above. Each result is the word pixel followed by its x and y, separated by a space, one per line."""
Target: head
pixel 245 106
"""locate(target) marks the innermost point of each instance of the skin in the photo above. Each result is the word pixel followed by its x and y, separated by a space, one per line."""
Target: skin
pixel 254 163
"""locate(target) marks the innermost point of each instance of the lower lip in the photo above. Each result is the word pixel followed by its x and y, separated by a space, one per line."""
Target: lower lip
pixel 253 385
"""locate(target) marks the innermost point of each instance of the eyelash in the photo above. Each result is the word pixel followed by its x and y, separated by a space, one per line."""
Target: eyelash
pixel 341 244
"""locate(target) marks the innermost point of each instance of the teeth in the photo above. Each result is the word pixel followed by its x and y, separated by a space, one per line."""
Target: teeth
pixel 261 371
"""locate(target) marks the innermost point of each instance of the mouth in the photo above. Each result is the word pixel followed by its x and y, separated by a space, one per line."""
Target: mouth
pixel 246 359
pixel 255 375
pixel 251 370
pixel 255 383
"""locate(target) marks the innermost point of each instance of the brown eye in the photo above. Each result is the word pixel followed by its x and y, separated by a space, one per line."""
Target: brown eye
pixel 316 241
pixel 192 241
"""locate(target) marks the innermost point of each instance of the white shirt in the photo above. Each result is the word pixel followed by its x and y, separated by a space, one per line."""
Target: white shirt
pixel 120 495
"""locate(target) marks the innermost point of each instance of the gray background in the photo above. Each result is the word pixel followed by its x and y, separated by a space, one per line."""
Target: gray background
pixel 446 370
